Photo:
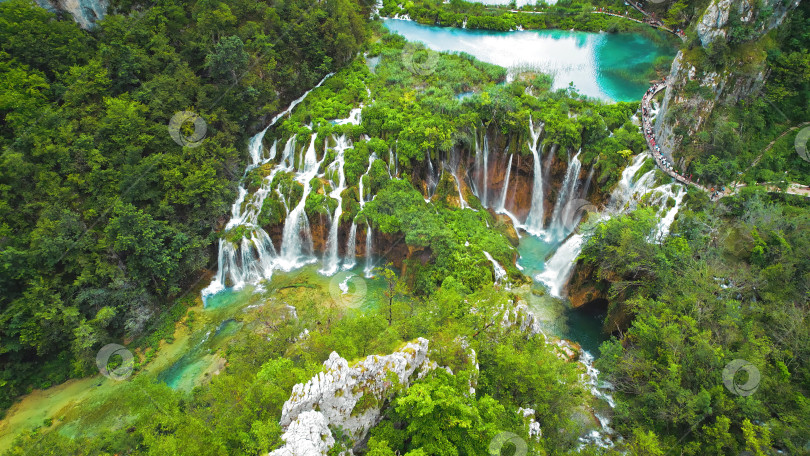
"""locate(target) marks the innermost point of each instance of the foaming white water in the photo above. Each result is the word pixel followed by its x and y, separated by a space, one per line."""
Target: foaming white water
pixel 559 267
pixel 560 218
pixel 331 262
pixel 500 272
pixel 534 221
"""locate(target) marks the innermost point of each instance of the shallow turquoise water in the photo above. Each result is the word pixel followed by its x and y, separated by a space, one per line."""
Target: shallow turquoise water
pixel 600 65
pixel 583 326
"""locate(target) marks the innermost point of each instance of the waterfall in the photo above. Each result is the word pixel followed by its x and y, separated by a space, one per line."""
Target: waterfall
pixel 485 170
pixel 392 163
pixel 452 166
pixel 369 265
pixel 502 203
pixel 432 179
pixel 559 267
pixel 664 224
pixel 256 256
pixel 534 221
pixel 351 248
pixel 628 188
pixel 498 270
pixel 295 102
pixel 591 380
pixel 360 188
pixel 331 260
pixel 560 217
pixel 296 240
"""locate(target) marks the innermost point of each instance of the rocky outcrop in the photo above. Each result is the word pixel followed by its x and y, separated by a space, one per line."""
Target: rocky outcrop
pixel 714 23
pixel 85 12
pixel 687 106
pixel 684 111
pixel 349 397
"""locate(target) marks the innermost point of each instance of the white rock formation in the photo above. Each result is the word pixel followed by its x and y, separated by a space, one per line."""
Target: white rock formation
pixel 349 397
pixel 715 19
pixel 309 434
pixel 84 12
pixel 521 316
pixel 534 426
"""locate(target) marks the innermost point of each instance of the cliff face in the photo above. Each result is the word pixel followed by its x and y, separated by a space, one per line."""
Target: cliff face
pixel 715 21
pixel 685 109
pixel 84 12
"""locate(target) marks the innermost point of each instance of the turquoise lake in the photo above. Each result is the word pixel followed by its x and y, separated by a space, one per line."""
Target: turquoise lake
pixel 601 65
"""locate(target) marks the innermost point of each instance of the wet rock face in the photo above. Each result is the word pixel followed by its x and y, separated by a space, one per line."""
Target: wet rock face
pixel 85 12
pixel 347 396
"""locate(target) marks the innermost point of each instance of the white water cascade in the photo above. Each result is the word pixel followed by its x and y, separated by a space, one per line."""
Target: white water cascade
pixel 452 165
pixel 559 267
pixel 296 238
pixel 534 221
pixel 561 216
pixel 499 271
pixel 368 269
pixel 254 256
pixel 482 168
pixel 665 222
pixel 331 260
pixel 351 248
pixel 501 209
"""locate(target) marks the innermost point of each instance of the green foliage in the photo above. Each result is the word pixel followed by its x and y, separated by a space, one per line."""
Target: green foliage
pixel 99 207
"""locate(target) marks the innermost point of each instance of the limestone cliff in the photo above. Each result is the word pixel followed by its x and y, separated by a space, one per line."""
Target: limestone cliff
pixel 716 19
pixel 696 87
pixel 84 12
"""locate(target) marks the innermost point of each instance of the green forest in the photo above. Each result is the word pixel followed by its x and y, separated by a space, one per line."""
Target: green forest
pixel 112 232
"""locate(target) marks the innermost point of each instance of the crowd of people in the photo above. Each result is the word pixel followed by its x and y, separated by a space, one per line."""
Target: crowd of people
pixel 646 126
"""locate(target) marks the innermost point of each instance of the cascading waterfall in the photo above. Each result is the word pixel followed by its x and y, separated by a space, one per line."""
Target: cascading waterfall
pixel 296 239
pixel 534 221
pixel 485 171
pixel 500 272
pixel 559 267
pixel 561 216
pixel 452 165
pixel 392 163
pixel 351 248
pixel 505 191
pixel 253 266
pixel 502 203
pixel 432 177
pixel 369 264
pixel 665 223
pixel 331 260
pixel 627 192
pixel 360 188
